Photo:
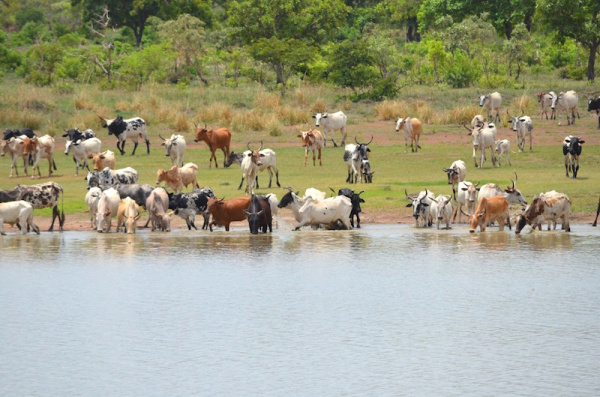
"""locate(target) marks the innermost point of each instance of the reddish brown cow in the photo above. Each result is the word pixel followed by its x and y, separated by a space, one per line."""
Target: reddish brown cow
pixel 215 139
pixel 226 211
pixel 312 140
pixel 490 209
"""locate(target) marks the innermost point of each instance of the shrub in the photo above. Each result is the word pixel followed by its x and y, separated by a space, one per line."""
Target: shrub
pixel 462 71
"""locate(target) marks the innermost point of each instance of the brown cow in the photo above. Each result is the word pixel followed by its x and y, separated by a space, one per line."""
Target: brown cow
pixel 40 148
pixel 412 131
pixel 490 209
pixel 176 177
pixel 547 207
pixel 215 139
pixel 103 160
pixel 312 140
pixel 226 211
pixel 127 215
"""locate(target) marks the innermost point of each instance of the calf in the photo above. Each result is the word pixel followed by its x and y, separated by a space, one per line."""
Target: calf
pixel 226 211
pixel 546 207
pixel 490 209
pixel 40 148
pixel 365 171
pixel 545 101
pixel 259 215
pixel 91 199
pixel 441 210
pixel 14 147
pixel 523 126
pixel 312 140
pixel 111 178
pixel 466 196
pixel 175 148
pixel 502 147
pixel 82 151
pixel 127 129
pixel 355 200
pixel 572 150
pixel 108 207
pixel 594 105
pixel 157 205
pixel 412 131
pixel 176 178
pixel 331 123
pixel 127 215
pixel 103 160
pixel 215 139
pixel 20 213
pixel 187 205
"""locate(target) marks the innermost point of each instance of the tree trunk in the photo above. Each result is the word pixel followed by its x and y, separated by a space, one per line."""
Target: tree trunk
pixel 412 32
pixel 591 75
pixel 508 28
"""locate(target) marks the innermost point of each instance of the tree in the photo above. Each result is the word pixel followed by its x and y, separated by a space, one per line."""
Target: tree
pixel 579 20
pixel 353 65
pixel 405 13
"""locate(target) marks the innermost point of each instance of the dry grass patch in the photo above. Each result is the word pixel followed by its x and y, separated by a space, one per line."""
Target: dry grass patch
pixel 181 123
pixel 319 106
pixel 267 101
pixel 82 101
pixel 523 105
pixel 301 97
pixel 458 115
pixel 391 110
pixel 217 112
pixel 252 120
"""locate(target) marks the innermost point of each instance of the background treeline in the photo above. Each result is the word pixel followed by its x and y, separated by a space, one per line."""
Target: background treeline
pixel 371 48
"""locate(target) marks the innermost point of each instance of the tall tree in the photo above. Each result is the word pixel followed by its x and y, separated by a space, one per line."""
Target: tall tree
pixel 579 20
pixel 404 12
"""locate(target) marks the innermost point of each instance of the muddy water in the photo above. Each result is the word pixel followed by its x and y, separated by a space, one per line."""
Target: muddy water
pixel 385 310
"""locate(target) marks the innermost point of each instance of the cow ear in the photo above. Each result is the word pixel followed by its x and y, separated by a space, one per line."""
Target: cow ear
pixel 174 143
pixel 477 188
pixel 314 116
pixel 464 189
pixel 408 205
pixel 362 201
pixel 262 155
pixel 299 136
pixel 246 212
pixel 298 192
pixel 580 141
pixel 425 204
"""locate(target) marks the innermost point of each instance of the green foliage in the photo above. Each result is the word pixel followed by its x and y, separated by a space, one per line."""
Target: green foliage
pixel 29 14
pixel 40 64
pixel 353 65
pixel 9 58
pixel 152 63
pixel 31 33
pixel 462 71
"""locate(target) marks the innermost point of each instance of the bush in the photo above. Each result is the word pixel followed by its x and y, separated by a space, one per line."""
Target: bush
pixel 462 71
pixel 31 33
pixel 29 15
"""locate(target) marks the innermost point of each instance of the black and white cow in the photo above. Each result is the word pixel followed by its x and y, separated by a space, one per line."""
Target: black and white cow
pixel 594 105
pixel 76 135
pixel 187 205
pixel 572 151
pixel 355 199
pixel 109 178
pixel 40 196
pixel 127 129
pixel 28 132
pixel 259 214
pixel 353 157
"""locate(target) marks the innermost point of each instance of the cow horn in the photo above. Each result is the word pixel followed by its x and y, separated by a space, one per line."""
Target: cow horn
pixel 205 126
pixel 356 140
pixel 261 146
pixel 370 140
pixel 406 193
pixel 161 137
pixel 359 193
pixel 101 118
pixel 516 179
pixel 195 125
pixel 477 183
pixel 468 129
pixel 330 188
pixel 289 188
pixel 248 145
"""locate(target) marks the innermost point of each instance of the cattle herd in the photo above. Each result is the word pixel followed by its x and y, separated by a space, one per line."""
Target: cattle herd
pixel 116 193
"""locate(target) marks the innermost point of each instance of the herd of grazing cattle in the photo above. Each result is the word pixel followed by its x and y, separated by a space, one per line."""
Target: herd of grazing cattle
pixel 116 193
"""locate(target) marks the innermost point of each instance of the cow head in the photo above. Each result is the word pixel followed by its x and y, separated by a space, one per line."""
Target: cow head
pixel 555 99
pixel 233 158
pixel 471 192
pixel 93 179
pixel 288 198
pixel 172 175
pixel 452 174
pixel 30 145
pixel 255 155
pixel 572 145
pixel 402 122
pixel 168 143
pixel 318 118
pixel 483 99
pixel 254 214
pixel 477 219
pixel 363 148
pixel 419 203
pixel 308 137
pixel 514 194
pixel 202 133
pixel 115 127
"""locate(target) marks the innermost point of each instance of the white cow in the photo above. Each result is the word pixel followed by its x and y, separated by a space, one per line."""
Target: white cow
pixel 523 126
pixel 512 194
pixel 492 103
pixel 545 101
pixel 17 212
pixel 91 199
pixel 330 212
pixel 316 194
pixel 566 102
pixel 466 195
pixel 157 205
pixel 40 148
pixel 547 207
pixel 82 151
pixel 268 160
pixel 250 166
pixel 441 210
pixel 330 123
pixel 483 138
pixel 14 147
pixel 456 173
pixel 502 147
pixel 421 204
pixel 478 121
pixel 175 148
pixel 108 207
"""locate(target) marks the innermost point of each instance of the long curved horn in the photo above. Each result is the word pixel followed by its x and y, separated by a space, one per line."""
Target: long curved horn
pixel 330 188
pixel 370 140
pixel 359 193
pixel 205 126
pixel 356 140
pixel 406 193
pixel 516 179
pixel 161 137
pixel 195 125
pixel 248 145
pixel 101 118
pixel 468 129
pixel 261 146
pixel 477 183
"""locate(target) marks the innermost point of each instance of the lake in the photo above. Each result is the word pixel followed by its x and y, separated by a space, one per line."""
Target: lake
pixel 383 310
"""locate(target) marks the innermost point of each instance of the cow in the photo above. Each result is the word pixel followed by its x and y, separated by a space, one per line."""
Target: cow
pixel 412 130
pixel 40 148
pixel 545 101
pixel 316 194
pixel 331 212
pixel 572 150
pixel 331 123
pixel 355 200
pixel 483 138
pixel 353 157
pixel 110 178
pixel 365 171
pixel 250 165
pixel 127 215
pixel 268 160
pixel 259 215
pixel 456 173
pixel 103 160
pixel 157 205
pixel 187 205
pixel 547 207
pixel 226 211
pixel 597 213
pixel 14 147
pixel 594 105
pixel 176 178
pixel 133 129
pixel 478 121
pixel 175 148
pixel 294 202
pixel 566 102
pixel 91 199
pixel 82 151
pixel 491 102
pixel 441 211
pixel 502 147
pixel 139 194
pixel 215 139
pixel 312 140
pixel 523 126
pixel 421 204
pixel 466 196
pixel 76 135
pixel 512 194
pixel 490 209
pixel 17 212
pixel 108 207
pixel 40 196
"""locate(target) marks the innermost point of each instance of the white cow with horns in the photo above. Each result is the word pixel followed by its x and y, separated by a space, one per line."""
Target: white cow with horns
pixel 332 122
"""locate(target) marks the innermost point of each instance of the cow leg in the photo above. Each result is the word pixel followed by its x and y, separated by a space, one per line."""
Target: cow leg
pixel 575 169
pixel 256 181
pixel 242 182
pixel 135 145
pixel 270 177
pixel 320 162
pixel 357 221
pixel 277 177
pixel 148 148
pixel 597 213
pixel 215 157
pixel 55 214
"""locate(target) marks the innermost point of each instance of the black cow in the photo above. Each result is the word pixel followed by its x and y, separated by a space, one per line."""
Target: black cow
pixel 259 214
pixel 76 135
pixel 594 105
pixel 187 205
pixel 355 200
pixel 572 151
pixel 127 129
pixel 28 132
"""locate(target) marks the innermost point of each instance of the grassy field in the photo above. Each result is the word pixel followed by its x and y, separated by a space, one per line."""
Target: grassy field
pixel 252 114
